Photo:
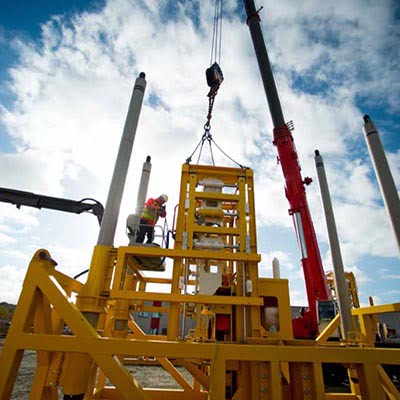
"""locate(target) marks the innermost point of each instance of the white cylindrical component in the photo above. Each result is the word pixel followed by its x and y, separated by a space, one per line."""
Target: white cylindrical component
pixel 298 223
pixel 208 245
pixel 143 186
pixel 276 273
pixel 338 269
pixel 384 175
pixel 132 221
pixel 111 211
pixel 249 286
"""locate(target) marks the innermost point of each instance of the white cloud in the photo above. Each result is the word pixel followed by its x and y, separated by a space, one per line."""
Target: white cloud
pixel 10 287
pixel 391 277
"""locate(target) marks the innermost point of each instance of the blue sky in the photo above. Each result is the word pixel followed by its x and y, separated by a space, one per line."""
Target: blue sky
pixel 66 75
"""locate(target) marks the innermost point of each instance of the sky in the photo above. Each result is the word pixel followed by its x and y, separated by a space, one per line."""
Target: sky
pixel 67 70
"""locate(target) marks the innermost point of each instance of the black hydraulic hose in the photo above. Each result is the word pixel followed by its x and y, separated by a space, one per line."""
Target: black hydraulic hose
pixel 81 273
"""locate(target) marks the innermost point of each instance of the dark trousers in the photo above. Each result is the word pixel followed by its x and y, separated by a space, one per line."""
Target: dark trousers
pixel 145 230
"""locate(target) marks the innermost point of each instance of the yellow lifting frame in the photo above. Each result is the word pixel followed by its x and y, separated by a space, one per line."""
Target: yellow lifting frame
pixel 42 288
pixel 267 365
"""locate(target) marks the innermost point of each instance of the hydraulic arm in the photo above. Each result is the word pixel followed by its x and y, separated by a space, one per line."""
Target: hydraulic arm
pixel 294 184
pixel 20 198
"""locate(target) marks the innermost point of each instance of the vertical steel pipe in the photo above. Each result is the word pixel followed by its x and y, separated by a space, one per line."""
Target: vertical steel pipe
pixel 384 175
pixel 111 211
pixel 133 219
pixel 143 186
pixel 276 273
pixel 342 289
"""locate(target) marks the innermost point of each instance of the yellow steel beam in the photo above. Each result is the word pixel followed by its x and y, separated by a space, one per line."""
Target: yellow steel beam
pixel 384 308
pixel 196 372
pixel 180 253
pixel 12 353
pixel 126 385
pixel 173 394
pixel 187 298
pixel 388 386
pixel 274 379
pixel 139 333
pixel 153 348
pixel 179 378
pixel 69 284
pixel 166 281
pixel 110 393
pixel 369 382
pixel 217 379
pixel 42 323
pixel 327 332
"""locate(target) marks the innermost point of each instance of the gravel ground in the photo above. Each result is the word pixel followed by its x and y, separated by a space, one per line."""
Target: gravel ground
pixel 25 376
pixel 147 376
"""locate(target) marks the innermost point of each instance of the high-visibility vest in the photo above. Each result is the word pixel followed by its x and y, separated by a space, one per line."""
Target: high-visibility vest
pixel 152 211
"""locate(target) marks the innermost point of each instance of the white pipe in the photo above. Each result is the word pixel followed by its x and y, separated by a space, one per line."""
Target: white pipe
pixel 342 290
pixel 276 273
pixel 111 211
pixel 143 186
pixel 132 222
pixel 384 175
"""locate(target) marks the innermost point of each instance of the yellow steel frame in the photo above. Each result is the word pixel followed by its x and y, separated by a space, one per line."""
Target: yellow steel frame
pixel 254 364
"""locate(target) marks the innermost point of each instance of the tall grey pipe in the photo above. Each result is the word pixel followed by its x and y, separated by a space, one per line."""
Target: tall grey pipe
pixel 384 175
pixel 132 222
pixel 342 290
pixel 276 273
pixel 111 212
pixel 143 186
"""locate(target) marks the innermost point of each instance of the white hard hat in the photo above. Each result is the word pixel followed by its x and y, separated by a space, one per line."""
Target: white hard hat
pixel 164 197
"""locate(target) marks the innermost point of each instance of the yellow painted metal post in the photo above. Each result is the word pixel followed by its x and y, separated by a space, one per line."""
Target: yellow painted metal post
pixel 274 378
pixel 11 355
pixel 217 379
pixel 302 381
pixel 42 323
pixel 92 303
pixel 369 382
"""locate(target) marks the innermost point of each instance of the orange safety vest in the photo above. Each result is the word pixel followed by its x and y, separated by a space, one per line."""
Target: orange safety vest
pixel 152 211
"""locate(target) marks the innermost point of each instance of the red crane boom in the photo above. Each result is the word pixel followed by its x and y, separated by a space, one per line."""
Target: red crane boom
pixel 307 325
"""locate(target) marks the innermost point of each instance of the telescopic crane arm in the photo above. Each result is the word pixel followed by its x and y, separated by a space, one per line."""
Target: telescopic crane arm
pixel 20 198
pixel 294 184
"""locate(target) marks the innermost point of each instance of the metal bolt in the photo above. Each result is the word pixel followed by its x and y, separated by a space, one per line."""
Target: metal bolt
pixel 263 376
pixel 264 390
pixel 305 377
pixel 306 391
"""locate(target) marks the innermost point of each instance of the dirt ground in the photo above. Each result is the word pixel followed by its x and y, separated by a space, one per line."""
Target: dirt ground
pixel 147 376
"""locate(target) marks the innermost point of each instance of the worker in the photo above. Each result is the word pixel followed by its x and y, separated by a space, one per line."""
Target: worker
pixel 153 209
